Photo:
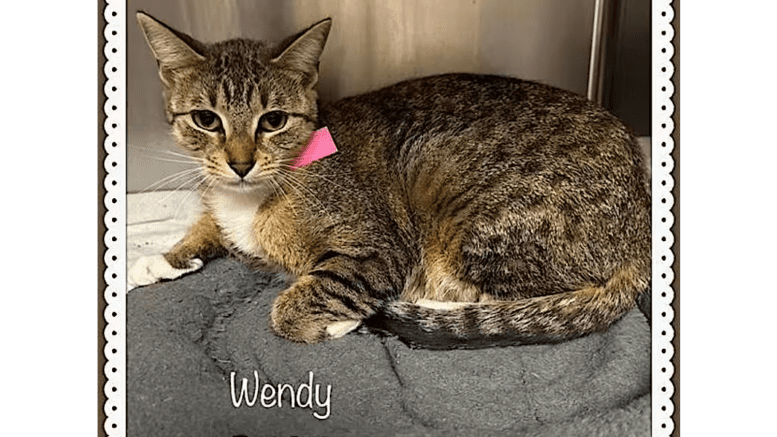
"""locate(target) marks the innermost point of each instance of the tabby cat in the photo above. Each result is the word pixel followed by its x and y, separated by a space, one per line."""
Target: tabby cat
pixel 459 211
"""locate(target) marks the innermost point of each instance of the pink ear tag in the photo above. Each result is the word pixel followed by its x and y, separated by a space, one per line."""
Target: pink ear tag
pixel 319 146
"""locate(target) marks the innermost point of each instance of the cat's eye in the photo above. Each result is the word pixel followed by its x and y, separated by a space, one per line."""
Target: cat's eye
pixel 272 121
pixel 207 120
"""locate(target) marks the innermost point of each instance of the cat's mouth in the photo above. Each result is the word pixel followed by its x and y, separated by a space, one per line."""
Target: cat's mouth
pixel 243 185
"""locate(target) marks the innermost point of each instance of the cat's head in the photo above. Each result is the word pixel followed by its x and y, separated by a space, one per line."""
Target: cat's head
pixel 244 107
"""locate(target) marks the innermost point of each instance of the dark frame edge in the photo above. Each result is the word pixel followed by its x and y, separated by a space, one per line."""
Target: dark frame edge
pixel 676 213
pixel 101 212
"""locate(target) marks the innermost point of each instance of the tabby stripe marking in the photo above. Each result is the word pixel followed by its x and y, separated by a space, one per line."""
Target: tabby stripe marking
pixel 346 300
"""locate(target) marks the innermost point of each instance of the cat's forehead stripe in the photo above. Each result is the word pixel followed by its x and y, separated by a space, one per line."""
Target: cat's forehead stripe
pixel 212 98
pixel 225 91
pixel 238 95
pixel 249 93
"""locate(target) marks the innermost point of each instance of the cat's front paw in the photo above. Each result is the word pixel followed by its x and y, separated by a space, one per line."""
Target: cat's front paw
pixel 151 269
pixel 296 319
pixel 311 329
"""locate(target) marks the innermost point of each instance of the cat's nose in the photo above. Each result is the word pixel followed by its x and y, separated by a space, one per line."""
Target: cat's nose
pixel 241 168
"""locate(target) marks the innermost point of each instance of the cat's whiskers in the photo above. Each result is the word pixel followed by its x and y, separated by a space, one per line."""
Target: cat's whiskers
pixel 296 176
pixel 285 168
pixel 280 192
pixel 184 156
pixel 324 177
pixel 177 161
pixel 203 179
pixel 294 181
pixel 196 181
pixel 155 154
pixel 188 179
pixel 304 192
pixel 187 176
pixel 208 182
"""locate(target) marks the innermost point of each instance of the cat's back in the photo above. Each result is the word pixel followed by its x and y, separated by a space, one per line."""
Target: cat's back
pixel 476 126
pixel 518 116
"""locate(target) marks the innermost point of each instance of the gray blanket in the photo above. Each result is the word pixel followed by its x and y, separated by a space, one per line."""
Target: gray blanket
pixel 190 341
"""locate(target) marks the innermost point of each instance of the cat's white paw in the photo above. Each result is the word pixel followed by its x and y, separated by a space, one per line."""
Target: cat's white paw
pixel 339 329
pixel 151 269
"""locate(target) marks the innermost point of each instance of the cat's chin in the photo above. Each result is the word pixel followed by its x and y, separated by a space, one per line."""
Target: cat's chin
pixel 241 187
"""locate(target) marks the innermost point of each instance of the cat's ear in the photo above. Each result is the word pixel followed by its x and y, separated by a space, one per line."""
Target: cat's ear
pixel 172 49
pixel 304 50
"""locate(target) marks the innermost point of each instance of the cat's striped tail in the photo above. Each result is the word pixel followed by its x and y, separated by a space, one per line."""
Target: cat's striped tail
pixel 545 319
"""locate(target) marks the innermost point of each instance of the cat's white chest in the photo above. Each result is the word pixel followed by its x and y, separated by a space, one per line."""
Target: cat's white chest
pixel 235 214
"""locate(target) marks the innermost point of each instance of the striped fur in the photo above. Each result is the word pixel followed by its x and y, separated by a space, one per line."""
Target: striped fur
pixel 524 210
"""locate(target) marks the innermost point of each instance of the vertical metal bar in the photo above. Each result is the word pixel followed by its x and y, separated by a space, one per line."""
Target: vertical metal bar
pixel 597 60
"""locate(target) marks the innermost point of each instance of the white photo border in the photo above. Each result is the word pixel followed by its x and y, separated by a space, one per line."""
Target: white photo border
pixel 662 126
pixel 662 145
pixel 115 238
